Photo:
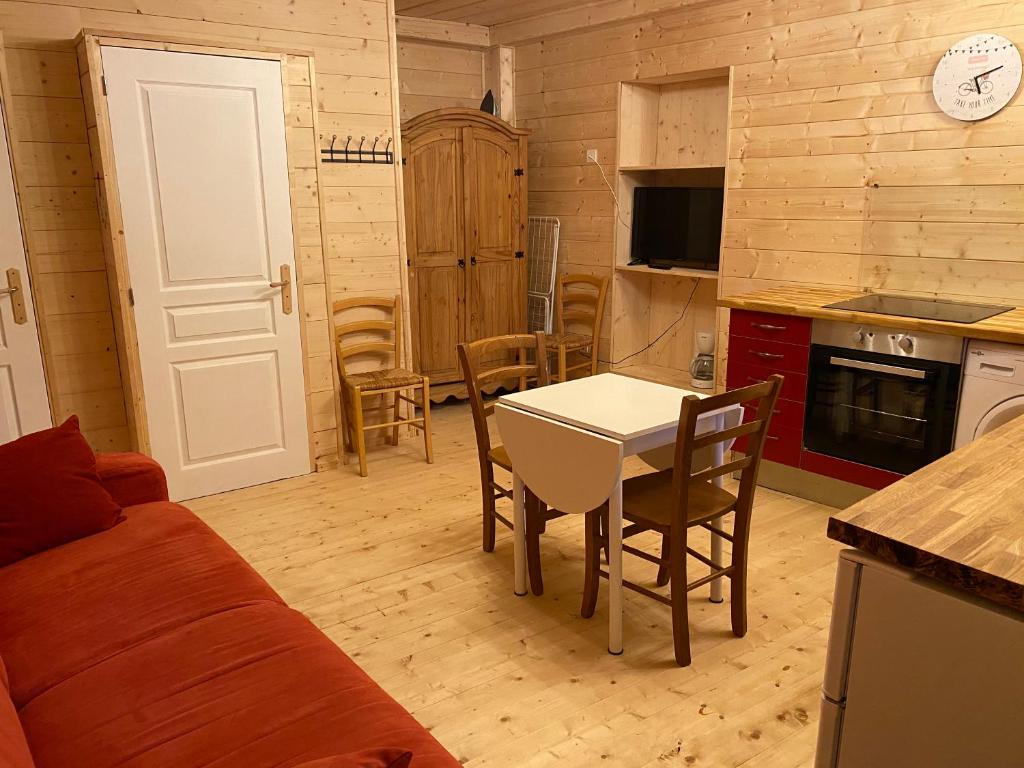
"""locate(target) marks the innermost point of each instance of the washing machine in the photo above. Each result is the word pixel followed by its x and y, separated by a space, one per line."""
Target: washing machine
pixel 993 389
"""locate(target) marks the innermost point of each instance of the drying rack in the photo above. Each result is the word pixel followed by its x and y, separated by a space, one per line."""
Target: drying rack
pixel 542 262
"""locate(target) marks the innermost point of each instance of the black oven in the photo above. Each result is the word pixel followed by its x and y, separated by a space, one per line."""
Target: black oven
pixel 881 397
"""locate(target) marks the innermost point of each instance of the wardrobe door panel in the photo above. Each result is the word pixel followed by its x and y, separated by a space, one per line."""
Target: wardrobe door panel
pixel 495 217
pixel 434 225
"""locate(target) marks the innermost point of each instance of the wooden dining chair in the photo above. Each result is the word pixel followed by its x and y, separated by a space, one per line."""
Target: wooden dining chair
pixel 579 312
pixel 510 360
pixel 372 329
pixel 675 500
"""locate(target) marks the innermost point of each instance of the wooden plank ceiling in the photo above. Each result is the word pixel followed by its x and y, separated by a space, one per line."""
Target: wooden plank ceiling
pixel 484 12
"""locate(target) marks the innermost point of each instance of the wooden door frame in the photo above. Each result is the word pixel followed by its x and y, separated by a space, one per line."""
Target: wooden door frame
pixel 88 47
pixel 44 350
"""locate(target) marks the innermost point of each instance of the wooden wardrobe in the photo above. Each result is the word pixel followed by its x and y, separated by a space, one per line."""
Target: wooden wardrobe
pixel 465 205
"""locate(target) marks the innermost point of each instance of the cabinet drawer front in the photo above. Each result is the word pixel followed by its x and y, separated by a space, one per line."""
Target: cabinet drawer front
pixel 761 325
pixel 782 445
pixel 788 413
pixel 794 385
pixel 769 354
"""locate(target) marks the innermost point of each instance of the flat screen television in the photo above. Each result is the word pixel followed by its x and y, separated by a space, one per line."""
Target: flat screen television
pixel 677 227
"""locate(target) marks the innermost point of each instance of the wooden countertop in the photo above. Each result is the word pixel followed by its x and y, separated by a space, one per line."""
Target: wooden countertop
pixel 811 302
pixel 959 520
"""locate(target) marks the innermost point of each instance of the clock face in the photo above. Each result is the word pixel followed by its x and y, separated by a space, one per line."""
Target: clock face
pixel 977 77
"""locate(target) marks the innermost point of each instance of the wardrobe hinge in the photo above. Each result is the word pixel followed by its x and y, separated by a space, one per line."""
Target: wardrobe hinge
pixel 131 298
pixel 103 84
pixel 405 161
pixel 519 171
pixel 520 254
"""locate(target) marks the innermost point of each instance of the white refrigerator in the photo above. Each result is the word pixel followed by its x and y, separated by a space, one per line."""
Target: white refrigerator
pixel 919 674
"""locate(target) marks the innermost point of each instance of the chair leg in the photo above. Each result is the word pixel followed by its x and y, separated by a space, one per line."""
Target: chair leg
pixel 738 595
pixel 533 519
pixel 486 478
pixel 428 439
pixel 346 425
pixel 562 365
pixel 359 433
pixel 680 620
pixel 396 416
pixel 591 564
pixel 666 553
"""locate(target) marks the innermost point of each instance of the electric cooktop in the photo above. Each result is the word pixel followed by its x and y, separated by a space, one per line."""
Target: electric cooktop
pixel 923 309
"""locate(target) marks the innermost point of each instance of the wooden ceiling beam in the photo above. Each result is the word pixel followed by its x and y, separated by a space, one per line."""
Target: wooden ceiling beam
pixel 590 16
pixel 448 32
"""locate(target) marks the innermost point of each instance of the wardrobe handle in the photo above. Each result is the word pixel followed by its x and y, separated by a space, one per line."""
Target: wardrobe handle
pixel 472 261
pixel 462 263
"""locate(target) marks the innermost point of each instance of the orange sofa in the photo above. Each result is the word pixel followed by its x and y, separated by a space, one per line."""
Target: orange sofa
pixel 154 644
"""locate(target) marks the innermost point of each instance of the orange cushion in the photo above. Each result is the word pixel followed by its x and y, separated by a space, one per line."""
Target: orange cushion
pixel 131 478
pixel 51 492
pixel 253 687
pixel 13 748
pixel 367 758
pixel 69 608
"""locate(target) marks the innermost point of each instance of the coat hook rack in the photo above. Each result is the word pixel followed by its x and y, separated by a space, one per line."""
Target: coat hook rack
pixel 372 156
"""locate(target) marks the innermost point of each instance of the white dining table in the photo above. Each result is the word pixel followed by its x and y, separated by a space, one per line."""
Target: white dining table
pixel 567 443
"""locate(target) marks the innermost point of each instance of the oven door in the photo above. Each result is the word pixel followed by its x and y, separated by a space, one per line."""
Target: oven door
pixel 890 412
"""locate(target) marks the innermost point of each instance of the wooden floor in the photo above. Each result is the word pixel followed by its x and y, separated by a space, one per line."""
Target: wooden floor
pixel 391 568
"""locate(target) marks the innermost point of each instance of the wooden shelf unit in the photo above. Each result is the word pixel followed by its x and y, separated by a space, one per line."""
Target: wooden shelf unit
pixel 700 274
pixel 671 132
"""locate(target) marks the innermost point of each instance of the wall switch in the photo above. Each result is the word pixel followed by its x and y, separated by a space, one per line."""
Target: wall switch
pixel 591 155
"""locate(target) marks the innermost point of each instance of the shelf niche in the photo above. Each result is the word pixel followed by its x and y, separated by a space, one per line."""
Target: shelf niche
pixel 671 132
pixel 674 125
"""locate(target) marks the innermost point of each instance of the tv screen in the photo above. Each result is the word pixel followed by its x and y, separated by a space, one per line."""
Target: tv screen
pixel 677 226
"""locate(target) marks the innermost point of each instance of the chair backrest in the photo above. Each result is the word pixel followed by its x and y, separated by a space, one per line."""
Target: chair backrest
pixel 480 371
pixel 579 304
pixel 763 396
pixel 368 328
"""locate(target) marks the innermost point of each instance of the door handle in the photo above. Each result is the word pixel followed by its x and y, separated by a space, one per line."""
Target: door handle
pixel 15 290
pixel 769 327
pixel 894 370
pixel 769 355
pixel 285 284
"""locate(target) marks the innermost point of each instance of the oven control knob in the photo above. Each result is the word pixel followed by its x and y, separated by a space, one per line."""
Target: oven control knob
pixel 906 343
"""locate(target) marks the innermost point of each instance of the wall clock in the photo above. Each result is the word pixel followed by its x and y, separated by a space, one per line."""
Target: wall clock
pixel 977 77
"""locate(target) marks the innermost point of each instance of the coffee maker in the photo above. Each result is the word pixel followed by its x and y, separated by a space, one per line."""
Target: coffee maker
pixel 702 369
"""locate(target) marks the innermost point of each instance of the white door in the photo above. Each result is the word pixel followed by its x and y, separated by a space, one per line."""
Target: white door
pixel 24 406
pixel 199 149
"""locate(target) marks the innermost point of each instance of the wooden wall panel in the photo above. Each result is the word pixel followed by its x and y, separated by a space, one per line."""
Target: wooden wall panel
pixel 352 94
pixel 432 76
pixel 842 170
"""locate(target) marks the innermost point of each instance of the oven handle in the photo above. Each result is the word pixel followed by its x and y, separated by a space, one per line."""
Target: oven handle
pixel 895 370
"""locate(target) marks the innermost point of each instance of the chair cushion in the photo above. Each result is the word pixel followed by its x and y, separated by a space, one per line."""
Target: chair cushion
pixel 69 608
pixel 386 379
pixel 568 340
pixel 14 752
pixel 648 499
pixel 498 455
pixel 253 687
pixel 51 492
pixel 367 758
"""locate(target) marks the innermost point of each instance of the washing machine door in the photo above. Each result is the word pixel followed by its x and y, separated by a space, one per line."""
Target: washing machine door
pixel 999 415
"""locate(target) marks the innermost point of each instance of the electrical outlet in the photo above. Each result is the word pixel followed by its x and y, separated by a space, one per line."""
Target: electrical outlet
pixel 591 155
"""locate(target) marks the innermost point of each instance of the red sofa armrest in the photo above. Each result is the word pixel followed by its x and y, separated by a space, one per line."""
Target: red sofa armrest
pixel 131 478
